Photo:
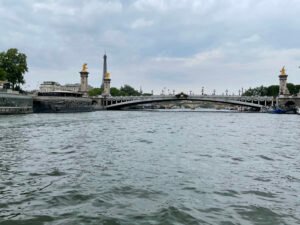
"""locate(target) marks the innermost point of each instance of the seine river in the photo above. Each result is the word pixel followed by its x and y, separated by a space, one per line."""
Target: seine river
pixel 150 168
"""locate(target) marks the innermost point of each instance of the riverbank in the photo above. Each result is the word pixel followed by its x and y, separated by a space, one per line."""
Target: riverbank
pixel 14 103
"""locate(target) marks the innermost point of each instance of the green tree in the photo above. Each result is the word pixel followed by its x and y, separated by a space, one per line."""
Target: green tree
pixel 146 94
pixel 129 91
pixel 292 88
pixel 2 74
pixel 258 91
pixel 273 90
pixel 14 64
pixel 297 87
pixel 115 91
pixel 95 92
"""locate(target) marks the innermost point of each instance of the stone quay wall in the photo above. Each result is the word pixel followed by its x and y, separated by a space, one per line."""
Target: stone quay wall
pixel 15 103
pixel 56 104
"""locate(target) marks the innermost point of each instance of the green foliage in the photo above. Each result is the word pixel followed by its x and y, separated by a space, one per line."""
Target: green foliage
pixel 2 74
pixel 129 91
pixel 146 94
pixel 297 87
pixel 126 90
pixel 123 91
pixel 115 91
pixel 258 91
pixel 294 89
pixel 14 65
pixel 95 92
pixel 272 90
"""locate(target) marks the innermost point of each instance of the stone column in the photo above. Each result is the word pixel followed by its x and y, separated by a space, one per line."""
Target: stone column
pixel 84 82
pixel 283 90
pixel 106 85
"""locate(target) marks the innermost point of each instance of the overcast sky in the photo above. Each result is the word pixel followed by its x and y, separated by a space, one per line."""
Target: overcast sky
pixel 156 44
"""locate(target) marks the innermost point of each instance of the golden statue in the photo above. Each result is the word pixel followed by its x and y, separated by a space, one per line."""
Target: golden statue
pixel 282 71
pixel 107 76
pixel 84 67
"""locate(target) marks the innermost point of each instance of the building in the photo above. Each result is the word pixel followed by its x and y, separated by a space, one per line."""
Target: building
pixel 71 87
pixel 50 86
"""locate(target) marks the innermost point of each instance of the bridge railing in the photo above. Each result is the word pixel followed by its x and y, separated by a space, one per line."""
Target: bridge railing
pixel 238 98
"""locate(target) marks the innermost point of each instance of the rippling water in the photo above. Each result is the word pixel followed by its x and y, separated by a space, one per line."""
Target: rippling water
pixel 150 168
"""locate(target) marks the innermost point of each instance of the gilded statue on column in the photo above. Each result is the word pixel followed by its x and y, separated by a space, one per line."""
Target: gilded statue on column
pixel 84 67
pixel 282 71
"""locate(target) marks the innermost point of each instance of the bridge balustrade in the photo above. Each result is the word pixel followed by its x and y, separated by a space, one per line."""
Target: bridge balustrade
pixel 255 100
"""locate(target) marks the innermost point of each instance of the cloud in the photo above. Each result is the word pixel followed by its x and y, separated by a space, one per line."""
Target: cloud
pixel 183 44
pixel 141 23
pixel 251 39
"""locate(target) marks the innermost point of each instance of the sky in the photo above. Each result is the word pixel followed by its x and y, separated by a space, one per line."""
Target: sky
pixel 180 45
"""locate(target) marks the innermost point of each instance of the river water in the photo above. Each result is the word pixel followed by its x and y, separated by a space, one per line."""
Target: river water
pixel 134 167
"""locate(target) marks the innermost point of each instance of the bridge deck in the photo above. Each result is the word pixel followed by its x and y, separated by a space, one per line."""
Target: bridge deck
pixel 123 101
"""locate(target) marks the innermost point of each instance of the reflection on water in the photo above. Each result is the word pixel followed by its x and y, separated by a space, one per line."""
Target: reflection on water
pixel 150 168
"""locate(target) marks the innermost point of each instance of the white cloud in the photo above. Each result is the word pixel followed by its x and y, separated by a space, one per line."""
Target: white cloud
pixel 251 39
pixel 145 5
pixel 101 7
pixel 154 43
pixel 141 23
pixel 54 8
pixel 170 5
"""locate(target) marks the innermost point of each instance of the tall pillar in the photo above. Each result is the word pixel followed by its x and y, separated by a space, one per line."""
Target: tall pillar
pixel 104 69
pixel 106 85
pixel 84 79
pixel 283 90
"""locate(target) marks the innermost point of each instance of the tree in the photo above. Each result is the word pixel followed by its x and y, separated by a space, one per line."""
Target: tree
pixel 273 90
pixel 258 91
pixel 129 91
pixel 115 91
pixel 297 88
pixel 292 88
pixel 95 92
pixel 2 74
pixel 147 94
pixel 14 65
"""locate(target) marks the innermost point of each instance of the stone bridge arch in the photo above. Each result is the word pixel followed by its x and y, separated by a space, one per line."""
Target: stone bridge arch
pixel 180 97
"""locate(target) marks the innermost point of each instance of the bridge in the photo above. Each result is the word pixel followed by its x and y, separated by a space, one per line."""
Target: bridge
pixel 120 102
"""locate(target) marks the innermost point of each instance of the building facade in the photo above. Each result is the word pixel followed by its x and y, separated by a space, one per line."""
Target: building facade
pixel 50 86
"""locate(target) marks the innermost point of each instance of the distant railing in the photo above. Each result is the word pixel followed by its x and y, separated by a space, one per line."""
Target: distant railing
pixel 240 98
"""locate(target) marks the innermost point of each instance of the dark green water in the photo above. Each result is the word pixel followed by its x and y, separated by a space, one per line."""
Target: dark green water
pixel 150 168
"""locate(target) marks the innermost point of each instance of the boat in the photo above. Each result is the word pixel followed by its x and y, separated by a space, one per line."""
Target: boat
pixel 298 110
pixel 277 110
